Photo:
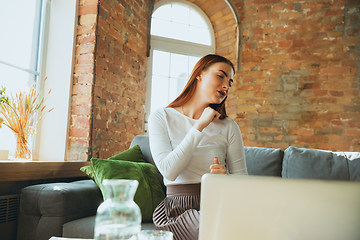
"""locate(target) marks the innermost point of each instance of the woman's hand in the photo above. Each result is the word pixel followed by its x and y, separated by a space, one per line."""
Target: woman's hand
pixel 217 168
pixel 206 118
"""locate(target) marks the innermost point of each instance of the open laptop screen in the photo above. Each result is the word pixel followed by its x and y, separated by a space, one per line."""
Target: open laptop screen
pixel 271 208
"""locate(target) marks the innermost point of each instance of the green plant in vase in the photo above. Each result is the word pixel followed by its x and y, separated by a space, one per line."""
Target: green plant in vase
pixel 21 113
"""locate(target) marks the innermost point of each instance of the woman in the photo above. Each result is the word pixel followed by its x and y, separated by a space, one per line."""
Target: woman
pixel 193 136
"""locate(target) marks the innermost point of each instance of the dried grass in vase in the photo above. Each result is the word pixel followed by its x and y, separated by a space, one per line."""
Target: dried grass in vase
pixel 21 114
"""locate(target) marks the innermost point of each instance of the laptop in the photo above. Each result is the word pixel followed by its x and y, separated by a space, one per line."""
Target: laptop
pixel 271 208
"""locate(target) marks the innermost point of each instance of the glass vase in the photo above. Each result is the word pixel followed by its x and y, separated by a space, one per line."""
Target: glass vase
pixel 22 150
pixel 118 217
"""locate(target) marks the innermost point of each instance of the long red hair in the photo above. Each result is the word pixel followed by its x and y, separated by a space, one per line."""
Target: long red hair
pixel 189 89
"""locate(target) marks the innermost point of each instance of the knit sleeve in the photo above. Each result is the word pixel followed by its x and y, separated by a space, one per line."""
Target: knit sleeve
pixel 170 162
pixel 235 157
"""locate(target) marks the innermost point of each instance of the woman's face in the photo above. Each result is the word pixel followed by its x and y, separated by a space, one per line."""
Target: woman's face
pixel 214 83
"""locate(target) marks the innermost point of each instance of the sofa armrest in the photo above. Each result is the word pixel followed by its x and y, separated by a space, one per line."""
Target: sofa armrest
pixel 44 208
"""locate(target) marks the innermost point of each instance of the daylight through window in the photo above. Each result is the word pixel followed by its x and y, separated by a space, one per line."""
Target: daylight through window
pixel 19 53
pixel 180 35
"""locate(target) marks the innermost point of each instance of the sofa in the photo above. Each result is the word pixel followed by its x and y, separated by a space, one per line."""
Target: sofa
pixel 69 209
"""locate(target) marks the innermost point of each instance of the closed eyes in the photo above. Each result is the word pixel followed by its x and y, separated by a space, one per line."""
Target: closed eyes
pixel 222 77
pixel 230 80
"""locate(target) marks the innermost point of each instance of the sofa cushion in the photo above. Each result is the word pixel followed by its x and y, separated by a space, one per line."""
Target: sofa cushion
pixel 354 164
pixel 149 193
pixel 264 161
pixel 79 228
pixel 44 208
pixel 89 171
pixel 319 164
pixel 133 154
pixel 143 142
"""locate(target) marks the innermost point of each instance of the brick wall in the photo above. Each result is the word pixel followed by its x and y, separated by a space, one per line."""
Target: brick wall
pixel 224 25
pixel 110 72
pixel 299 79
pixel 298 82
pixel 120 80
pixel 82 90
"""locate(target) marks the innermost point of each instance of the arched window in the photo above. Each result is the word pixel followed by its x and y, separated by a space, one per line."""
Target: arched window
pixel 181 34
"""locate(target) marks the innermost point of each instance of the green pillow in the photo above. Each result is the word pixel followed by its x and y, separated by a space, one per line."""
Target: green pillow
pixel 149 192
pixel 89 171
pixel 133 154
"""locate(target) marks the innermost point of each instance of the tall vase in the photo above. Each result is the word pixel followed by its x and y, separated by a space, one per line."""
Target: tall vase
pixel 22 147
pixel 118 217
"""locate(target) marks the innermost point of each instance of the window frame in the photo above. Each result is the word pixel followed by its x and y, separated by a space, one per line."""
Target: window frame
pixel 38 45
pixel 196 8
pixel 57 65
pixel 175 46
pixel 36 58
pixel 55 62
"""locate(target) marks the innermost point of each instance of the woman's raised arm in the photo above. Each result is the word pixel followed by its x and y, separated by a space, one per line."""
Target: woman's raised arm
pixel 170 162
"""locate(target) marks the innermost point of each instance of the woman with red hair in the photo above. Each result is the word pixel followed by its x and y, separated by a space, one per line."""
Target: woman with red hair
pixel 193 136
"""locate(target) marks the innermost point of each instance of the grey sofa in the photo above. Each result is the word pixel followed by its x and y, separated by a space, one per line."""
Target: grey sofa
pixel 68 209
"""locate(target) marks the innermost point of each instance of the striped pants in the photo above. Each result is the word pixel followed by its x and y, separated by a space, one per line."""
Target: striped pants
pixel 179 211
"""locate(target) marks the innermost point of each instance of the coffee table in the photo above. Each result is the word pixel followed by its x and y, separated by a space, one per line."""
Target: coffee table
pixel 61 238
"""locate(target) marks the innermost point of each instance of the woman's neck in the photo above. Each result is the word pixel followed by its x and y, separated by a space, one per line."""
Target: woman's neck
pixel 193 109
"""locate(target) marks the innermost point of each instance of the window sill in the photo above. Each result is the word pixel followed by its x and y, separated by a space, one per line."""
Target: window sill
pixel 13 171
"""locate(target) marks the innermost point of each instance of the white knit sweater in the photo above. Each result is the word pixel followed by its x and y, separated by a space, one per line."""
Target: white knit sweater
pixel 183 154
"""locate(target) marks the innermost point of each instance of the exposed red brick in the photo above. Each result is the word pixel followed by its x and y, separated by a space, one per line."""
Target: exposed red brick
pixel 285 44
pixel 271 130
pixel 88 39
pixel 85 78
pixel 251 59
pixel 337 93
pixel 258 31
pixel 82 90
pixel 283 30
pixel 88 19
pixel 335 70
pixel 87 9
pixel 335 147
pixel 289 15
pixel 84 49
pixel 258 2
pixel 83 68
pixel 294 61
pixel 301 43
pixel 82 122
pixel 261 52
pixel 277 8
pixel 85 29
pixel 79 132
pixel 85 59
pixel 293 65
pixel 81 110
pixel 250 88
pixel 311 86
pixel 315 5
pixel 352 132
pixel 82 99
